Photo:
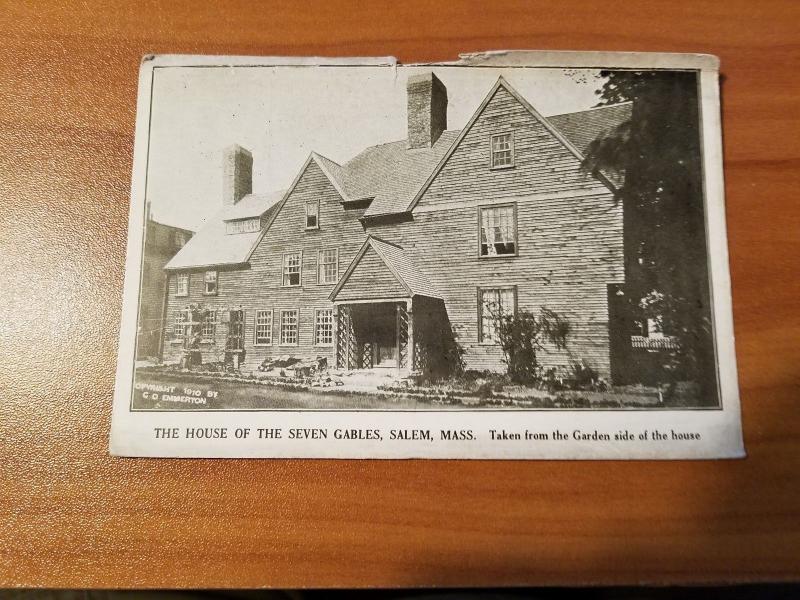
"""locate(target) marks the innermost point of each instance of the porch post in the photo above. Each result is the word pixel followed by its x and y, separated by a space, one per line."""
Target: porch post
pixel 411 352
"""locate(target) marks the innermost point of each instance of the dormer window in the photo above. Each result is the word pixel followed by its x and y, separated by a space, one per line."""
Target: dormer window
pixel 312 214
pixel 502 147
pixel 252 225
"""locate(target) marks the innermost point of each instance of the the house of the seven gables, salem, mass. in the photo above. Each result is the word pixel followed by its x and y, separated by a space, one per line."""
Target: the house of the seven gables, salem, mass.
pixel 395 256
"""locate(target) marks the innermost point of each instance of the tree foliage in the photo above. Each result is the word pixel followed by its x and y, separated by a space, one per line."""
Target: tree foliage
pixel 658 151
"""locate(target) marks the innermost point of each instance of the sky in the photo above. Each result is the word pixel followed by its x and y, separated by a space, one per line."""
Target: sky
pixel 281 114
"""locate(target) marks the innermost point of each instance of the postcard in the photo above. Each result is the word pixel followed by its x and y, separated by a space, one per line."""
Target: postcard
pixel 514 255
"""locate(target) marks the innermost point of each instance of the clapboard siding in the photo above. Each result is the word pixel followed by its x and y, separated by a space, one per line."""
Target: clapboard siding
pixel 371 279
pixel 569 236
pixel 542 163
pixel 259 287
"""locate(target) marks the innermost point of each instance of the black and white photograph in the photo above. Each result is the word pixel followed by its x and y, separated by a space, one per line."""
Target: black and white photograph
pixel 479 237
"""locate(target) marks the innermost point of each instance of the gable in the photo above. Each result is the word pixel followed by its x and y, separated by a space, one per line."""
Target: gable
pixel 286 227
pixel 371 279
pixel 544 161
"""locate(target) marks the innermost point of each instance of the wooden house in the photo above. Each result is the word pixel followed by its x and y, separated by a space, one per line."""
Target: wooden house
pixel 395 257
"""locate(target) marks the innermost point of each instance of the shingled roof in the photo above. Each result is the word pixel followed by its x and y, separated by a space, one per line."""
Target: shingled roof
pixel 414 281
pixel 392 173
pixel 583 127
pixel 213 247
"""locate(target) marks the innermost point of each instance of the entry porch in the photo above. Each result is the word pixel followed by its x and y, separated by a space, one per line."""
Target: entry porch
pixel 388 313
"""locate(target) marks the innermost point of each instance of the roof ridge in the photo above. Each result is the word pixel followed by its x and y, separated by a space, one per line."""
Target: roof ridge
pixel 322 156
pixel 400 141
pixel 575 112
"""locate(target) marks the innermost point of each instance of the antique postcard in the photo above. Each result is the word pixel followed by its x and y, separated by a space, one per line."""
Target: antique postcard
pixel 514 255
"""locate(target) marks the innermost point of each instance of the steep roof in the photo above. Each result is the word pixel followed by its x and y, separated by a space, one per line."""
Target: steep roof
pixel 583 127
pixel 392 173
pixel 414 281
pixel 213 247
pixel 252 205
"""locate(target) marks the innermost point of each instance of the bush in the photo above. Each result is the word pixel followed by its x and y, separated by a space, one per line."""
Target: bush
pixel 523 334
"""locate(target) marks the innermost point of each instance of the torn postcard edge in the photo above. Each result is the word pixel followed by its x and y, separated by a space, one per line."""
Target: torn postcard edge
pixel 356 258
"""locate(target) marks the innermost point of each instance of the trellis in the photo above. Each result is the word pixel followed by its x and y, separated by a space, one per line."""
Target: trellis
pixel 346 350
pixel 402 335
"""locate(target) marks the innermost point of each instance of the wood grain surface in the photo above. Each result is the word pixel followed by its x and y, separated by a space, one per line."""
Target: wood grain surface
pixel 71 516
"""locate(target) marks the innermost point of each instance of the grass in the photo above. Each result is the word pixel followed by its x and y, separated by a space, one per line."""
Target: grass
pixel 234 391
pixel 245 394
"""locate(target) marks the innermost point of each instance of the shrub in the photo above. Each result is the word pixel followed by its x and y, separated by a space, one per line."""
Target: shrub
pixel 523 334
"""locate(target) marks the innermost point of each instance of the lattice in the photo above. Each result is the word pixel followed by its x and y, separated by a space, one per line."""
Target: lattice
pixel 402 335
pixel 366 355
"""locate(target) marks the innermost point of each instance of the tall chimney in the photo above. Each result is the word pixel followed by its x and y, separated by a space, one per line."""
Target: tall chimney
pixel 237 174
pixel 427 110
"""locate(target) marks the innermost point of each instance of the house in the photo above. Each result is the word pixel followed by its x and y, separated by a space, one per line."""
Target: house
pixel 401 256
pixel 161 243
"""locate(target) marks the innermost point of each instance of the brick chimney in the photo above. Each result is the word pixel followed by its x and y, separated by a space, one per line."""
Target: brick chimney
pixel 237 174
pixel 427 110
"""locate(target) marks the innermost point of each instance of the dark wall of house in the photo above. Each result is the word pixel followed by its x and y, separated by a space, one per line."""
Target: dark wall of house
pixel 259 288
pixel 160 245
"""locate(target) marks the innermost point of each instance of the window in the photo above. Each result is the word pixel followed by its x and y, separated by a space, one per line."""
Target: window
pixel 323 327
pixel 182 284
pixel 493 303
pixel 328 266
pixel 263 328
pixel 498 230
pixel 243 226
pixel 312 214
pixel 180 239
pixel 289 320
pixel 179 328
pixel 210 283
pixel 502 150
pixel 292 267
pixel 209 328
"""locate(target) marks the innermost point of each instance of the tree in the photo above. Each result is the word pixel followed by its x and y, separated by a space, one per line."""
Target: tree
pixel 658 151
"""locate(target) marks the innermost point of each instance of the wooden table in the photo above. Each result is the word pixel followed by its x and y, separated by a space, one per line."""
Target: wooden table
pixel 71 516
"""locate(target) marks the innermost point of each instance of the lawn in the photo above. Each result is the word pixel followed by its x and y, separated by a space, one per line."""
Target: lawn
pixel 156 389
pixel 190 391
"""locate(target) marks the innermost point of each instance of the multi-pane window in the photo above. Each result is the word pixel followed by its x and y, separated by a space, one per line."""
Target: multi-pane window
pixel 328 266
pixel 502 150
pixel 179 328
pixel 182 284
pixel 243 225
pixel 209 328
pixel 323 327
pixel 312 214
pixel 289 319
pixel 494 304
pixel 210 283
pixel 263 327
pixel 498 231
pixel 292 267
